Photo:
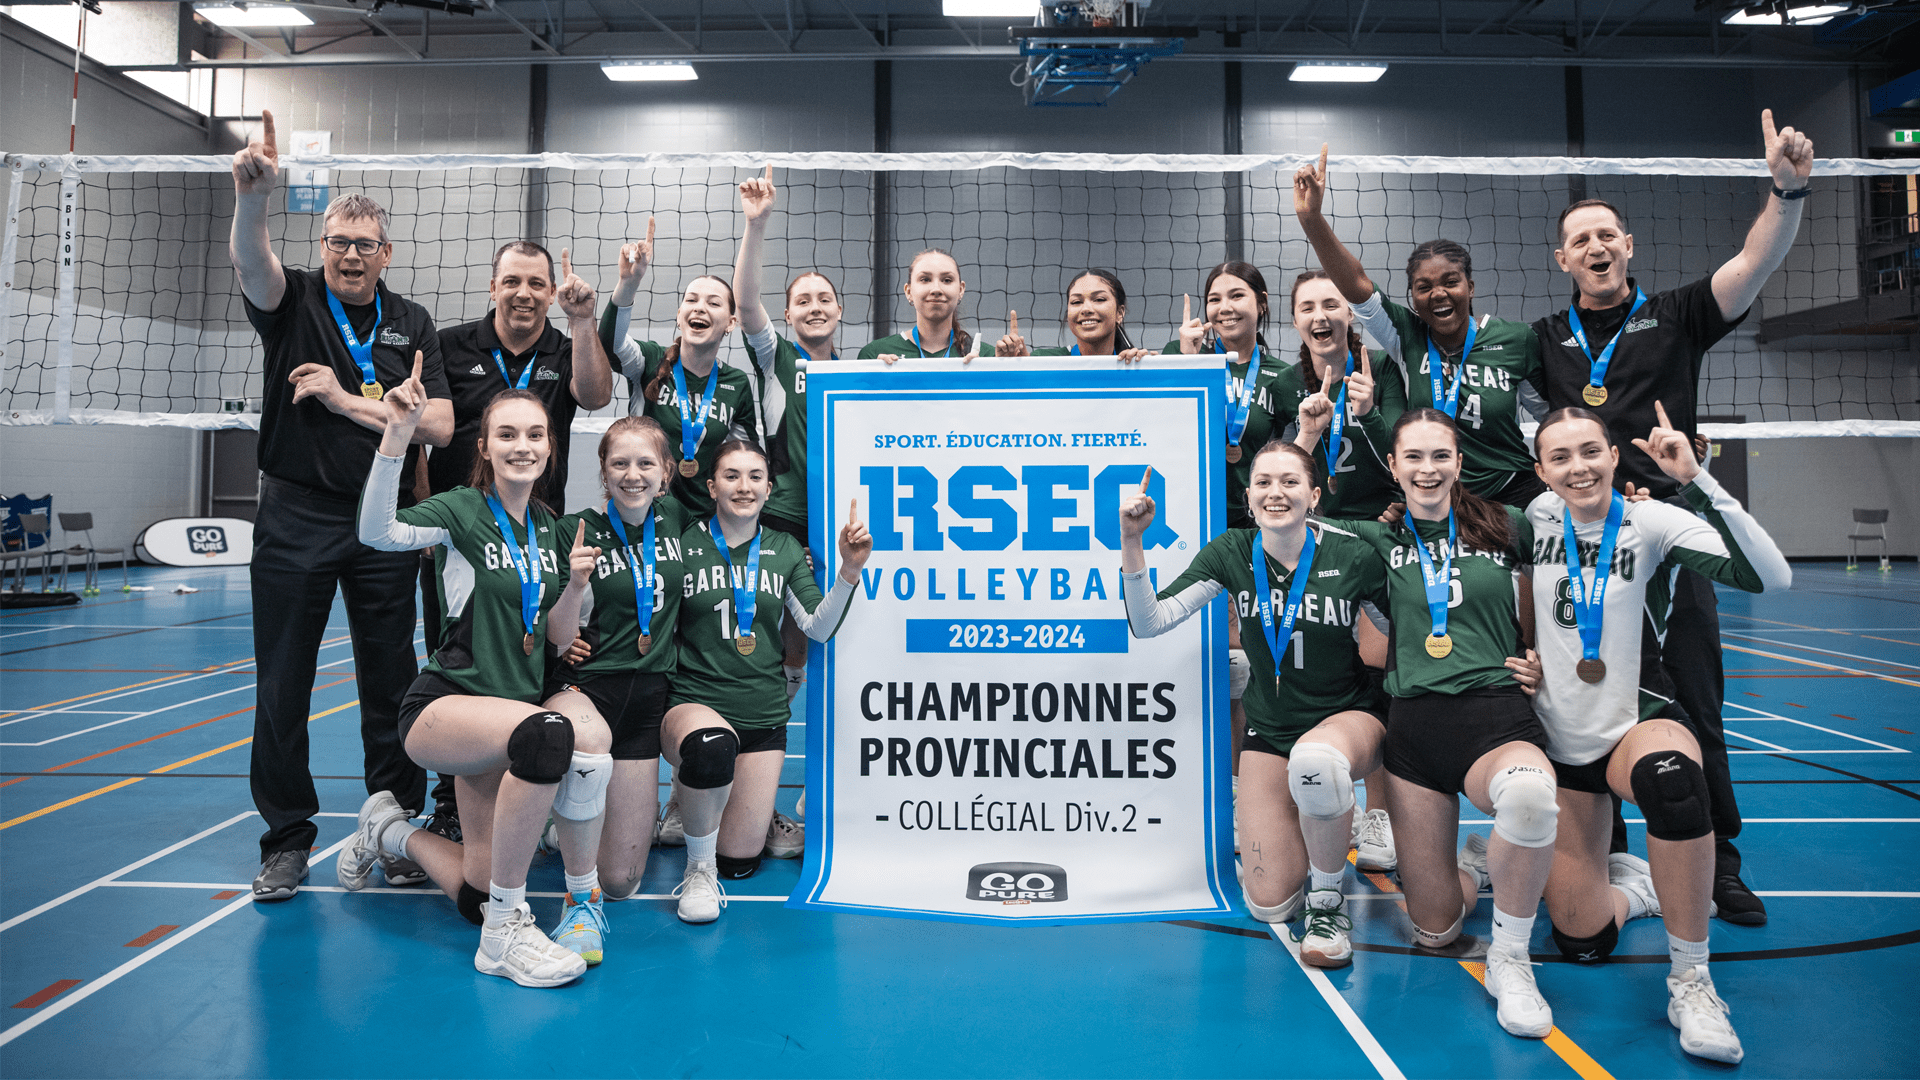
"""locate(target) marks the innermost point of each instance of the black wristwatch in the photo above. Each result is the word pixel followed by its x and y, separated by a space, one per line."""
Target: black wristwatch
pixel 1789 196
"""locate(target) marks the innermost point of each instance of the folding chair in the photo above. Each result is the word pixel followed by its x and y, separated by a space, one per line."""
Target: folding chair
pixel 1854 539
pixel 83 523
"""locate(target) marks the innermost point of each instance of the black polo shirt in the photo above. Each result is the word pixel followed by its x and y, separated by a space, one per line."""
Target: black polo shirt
pixel 474 379
pixel 1658 359
pixel 305 443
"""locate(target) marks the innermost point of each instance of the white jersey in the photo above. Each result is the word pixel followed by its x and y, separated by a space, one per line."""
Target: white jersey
pixel 1584 721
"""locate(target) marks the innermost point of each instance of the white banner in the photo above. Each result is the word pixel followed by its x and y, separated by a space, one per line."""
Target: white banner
pixel 988 743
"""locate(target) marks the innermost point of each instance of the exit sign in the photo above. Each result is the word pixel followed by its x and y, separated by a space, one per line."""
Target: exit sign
pixel 1907 136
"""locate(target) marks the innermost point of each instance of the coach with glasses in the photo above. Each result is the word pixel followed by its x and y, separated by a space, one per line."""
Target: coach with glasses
pixel 334 341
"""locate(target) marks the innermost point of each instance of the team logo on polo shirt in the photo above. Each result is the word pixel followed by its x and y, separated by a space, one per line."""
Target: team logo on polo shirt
pixel 1017 883
pixel 1638 325
pixel 390 336
pixel 546 375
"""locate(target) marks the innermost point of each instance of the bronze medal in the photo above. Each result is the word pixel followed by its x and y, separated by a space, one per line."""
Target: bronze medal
pixel 745 644
pixel 1233 453
pixel 526 645
pixel 1594 395
pixel 646 642
pixel 1439 645
pixel 372 391
pixel 1333 484
pixel 1591 670
pixel 689 468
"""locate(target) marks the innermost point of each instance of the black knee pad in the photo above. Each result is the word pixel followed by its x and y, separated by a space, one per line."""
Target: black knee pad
pixel 541 748
pixel 734 869
pixel 472 904
pixel 1671 791
pixel 706 759
pixel 1588 950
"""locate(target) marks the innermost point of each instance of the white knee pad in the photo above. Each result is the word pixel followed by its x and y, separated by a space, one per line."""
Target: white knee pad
pixel 1321 780
pixel 1284 911
pixel 583 791
pixel 1524 809
pixel 1427 939
pixel 1239 670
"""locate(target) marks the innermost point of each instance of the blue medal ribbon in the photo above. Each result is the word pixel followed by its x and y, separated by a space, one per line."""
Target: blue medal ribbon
pixel 1240 405
pixel 642 567
pixel 525 372
pixel 1588 611
pixel 1439 583
pixel 362 354
pixel 744 599
pixel 1337 430
pixel 1597 375
pixel 1278 637
pixel 1449 403
pixel 952 336
pixel 525 563
pixel 693 414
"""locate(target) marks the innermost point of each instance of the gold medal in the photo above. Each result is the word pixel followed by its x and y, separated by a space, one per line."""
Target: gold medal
pixel 646 642
pixel 1591 670
pixel 526 645
pixel 1439 645
pixel 745 644
pixel 1594 395
pixel 1233 453
pixel 372 391
pixel 1333 484
pixel 689 468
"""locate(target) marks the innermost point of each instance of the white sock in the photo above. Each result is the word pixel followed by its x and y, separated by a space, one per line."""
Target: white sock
pixel 1512 933
pixel 1686 955
pixel 1325 879
pixel 1636 907
pixel 1236 785
pixel 584 883
pixel 393 838
pixel 501 901
pixel 703 849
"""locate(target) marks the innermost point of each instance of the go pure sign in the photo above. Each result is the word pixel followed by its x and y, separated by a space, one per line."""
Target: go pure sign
pixel 989 743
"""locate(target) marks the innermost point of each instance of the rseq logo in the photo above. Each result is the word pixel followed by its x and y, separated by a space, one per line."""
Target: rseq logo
pixel 208 540
pixel 1048 507
pixel 1017 883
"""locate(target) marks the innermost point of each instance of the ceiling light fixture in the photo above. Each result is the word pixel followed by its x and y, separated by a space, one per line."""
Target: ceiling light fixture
pixel 1778 13
pixel 245 14
pixel 988 9
pixel 1347 71
pixel 649 71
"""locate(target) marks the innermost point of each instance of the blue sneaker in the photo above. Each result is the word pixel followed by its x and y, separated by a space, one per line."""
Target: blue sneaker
pixel 583 925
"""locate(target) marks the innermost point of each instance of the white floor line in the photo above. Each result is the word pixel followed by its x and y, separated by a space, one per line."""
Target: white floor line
pixel 1828 652
pixel 1830 667
pixel 29 714
pixel 379 890
pixel 151 953
pixel 1762 714
pixel 1850 895
pixel 127 869
pixel 225 669
pixel 21 633
pixel 1369 1045
pixel 1810 753
pixel 1743 735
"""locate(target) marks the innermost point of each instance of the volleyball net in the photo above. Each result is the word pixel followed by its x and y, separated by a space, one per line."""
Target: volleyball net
pixel 118 303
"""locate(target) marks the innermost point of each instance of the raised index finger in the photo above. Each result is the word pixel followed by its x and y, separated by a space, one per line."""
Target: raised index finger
pixel 1766 126
pixel 1013 323
pixel 266 131
pixel 566 264
pixel 649 231
pixel 1660 411
pixel 769 176
pixel 1145 480
pixel 1366 364
pixel 1322 173
pixel 1327 381
pixel 853 512
pixel 1186 308
pixel 419 358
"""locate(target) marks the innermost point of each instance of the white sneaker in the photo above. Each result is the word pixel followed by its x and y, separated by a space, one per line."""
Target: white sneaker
pixel 549 839
pixel 1473 859
pixel 1522 1011
pixel 1373 846
pixel 1630 875
pixel 1323 937
pixel 357 859
pixel 701 896
pixel 517 950
pixel 786 838
pixel 668 831
pixel 1701 1016
pixel 800 808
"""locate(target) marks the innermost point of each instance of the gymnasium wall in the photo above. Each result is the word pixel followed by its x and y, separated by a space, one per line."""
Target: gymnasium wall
pixel 1171 108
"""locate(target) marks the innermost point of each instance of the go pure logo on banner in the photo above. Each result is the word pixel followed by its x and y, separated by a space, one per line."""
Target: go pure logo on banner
pixel 985 719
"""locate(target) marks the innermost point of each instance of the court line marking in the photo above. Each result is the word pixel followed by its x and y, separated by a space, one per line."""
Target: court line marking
pixel 1818 664
pixel 127 869
pixel 1829 652
pixel 1383 1063
pixel 1557 1041
pixel 20 633
pixel 1807 753
pixel 1846 895
pixel 118 692
pixel 222 886
pixel 1743 735
pixel 162 948
pixel 1791 720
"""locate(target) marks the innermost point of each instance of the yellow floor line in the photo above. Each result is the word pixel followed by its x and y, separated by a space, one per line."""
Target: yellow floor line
pixel 1817 664
pixel 1579 1060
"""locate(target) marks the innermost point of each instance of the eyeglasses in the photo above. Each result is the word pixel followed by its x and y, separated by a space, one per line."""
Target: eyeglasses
pixel 340 244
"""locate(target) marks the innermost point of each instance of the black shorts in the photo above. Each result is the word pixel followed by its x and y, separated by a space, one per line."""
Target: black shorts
pixel 631 702
pixel 427 687
pixel 1434 739
pixel 753 739
pixel 1592 777
pixel 1261 745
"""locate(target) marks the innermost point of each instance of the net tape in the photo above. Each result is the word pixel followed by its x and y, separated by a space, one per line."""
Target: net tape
pixel 154 331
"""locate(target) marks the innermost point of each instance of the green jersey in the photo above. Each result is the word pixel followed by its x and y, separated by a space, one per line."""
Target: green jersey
pixel 783 412
pixel 749 690
pixel 1320 669
pixel 902 345
pixel 482 634
pixel 1263 422
pixel 608 613
pixel 1482 607
pixel 1505 355
pixel 1363 485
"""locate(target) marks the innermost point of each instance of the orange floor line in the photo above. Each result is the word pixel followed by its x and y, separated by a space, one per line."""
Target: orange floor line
pixel 1577 1059
pixel 47 995
pixel 149 682
pixel 175 731
pixel 152 936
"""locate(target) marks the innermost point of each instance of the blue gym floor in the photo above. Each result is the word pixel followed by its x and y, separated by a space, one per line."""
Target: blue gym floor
pixel 129 945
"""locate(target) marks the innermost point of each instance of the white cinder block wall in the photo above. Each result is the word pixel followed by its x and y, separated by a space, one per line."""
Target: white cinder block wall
pixel 1803 489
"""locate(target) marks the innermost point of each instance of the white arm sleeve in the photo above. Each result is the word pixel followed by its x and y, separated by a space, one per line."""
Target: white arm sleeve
pixel 1761 552
pixel 628 357
pixel 765 346
pixel 820 623
pixel 378 527
pixel 1378 325
pixel 1150 616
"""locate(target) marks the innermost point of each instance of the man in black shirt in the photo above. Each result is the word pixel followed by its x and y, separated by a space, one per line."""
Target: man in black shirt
pixel 514 346
pixel 333 342
pixel 1617 351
